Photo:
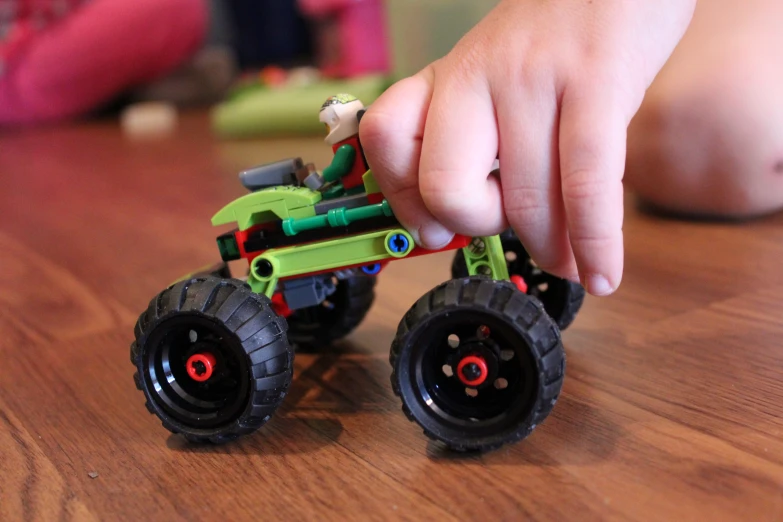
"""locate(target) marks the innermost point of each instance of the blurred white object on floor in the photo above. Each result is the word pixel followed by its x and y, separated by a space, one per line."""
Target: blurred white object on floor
pixel 149 120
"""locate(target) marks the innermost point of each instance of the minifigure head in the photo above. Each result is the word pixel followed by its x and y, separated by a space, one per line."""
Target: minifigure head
pixel 340 115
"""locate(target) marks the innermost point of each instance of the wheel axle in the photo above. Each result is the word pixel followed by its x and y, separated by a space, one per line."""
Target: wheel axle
pixel 201 366
pixel 472 370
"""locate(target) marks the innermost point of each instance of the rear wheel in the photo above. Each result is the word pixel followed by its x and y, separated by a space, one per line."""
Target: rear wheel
pixel 212 359
pixel 561 298
pixel 477 364
pixel 318 326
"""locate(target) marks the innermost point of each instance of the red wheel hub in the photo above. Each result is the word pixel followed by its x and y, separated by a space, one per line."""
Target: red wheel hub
pixel 517 280
pixel 200 366
pixel 472 370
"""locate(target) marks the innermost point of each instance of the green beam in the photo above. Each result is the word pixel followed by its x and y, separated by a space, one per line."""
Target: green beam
pixel 368 248
pixel 485 256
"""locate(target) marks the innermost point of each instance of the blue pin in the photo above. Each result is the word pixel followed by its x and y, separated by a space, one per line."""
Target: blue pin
pixel 371 269
pixel 398 243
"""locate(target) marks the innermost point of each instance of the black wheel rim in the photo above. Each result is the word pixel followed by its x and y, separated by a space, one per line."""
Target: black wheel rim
pixel 551 290
pixel 217 401
pixel 445 397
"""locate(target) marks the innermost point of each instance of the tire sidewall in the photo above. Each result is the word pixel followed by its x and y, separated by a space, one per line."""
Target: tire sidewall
pixel 169 421
pixel 454 436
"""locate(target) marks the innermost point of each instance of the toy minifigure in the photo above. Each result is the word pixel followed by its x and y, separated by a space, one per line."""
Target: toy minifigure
pixel 341 114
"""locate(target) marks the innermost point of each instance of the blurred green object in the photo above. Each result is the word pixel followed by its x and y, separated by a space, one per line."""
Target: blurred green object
pixel 291 110
pixel 423 31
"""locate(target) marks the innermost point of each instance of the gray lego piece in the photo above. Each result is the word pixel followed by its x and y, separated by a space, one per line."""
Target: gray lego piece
pixel 272 174
pixel 307 291
pixel 357 200
pixel 345 273
pixel 314 181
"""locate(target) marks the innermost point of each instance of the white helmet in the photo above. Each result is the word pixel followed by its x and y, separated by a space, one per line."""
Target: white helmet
pixel 340 115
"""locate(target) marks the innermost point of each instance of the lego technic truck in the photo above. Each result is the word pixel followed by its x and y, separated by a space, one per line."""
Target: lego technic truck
pixel 477 361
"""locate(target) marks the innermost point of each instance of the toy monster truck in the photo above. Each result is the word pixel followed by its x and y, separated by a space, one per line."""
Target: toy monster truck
pixel 477 361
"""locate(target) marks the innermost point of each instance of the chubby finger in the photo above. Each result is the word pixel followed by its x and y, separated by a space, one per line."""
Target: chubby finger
pixel 391 133
pixel 530 176
pixel 593 131
pixel 457 155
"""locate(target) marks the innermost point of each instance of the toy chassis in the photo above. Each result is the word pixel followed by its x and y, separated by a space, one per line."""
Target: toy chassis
pixel 477 361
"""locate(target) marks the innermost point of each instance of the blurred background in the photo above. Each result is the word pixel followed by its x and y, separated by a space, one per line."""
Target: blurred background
pixel 262 67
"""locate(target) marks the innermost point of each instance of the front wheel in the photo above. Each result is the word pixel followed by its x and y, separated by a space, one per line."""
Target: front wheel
pixel 477 364
pixel 212 359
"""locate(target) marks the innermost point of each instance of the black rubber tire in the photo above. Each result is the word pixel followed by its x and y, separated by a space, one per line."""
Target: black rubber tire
pixel 319 326
pixel 236 320
pixel 538 350
pixel 562 301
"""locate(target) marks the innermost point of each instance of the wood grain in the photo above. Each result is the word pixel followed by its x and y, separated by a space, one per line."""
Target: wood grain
pixel 672 407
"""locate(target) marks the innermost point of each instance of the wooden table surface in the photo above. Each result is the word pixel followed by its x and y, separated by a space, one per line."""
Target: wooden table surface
pixel 672 408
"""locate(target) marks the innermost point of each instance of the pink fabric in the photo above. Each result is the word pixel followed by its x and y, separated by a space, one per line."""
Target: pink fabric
pixel 360 40
pixel 68 66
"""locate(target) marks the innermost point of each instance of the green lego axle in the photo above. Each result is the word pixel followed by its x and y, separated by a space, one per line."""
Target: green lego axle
pixel 336 217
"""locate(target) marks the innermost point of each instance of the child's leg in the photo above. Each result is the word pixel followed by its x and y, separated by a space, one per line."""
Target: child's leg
pixel 96 53
pixel 709 136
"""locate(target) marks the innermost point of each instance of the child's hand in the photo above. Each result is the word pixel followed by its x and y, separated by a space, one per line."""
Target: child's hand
pixel 548 88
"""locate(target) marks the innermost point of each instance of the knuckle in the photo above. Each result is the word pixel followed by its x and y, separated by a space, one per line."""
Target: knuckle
pixel 464 66
pixel 590 241
pixel 526 206
pixel 392 172
pixel 375 129
pixel 593 220
pixel 466 54
pixel 581 185
pixel 447 192
pixel 529 69
pixel 405 202
pixel 397 181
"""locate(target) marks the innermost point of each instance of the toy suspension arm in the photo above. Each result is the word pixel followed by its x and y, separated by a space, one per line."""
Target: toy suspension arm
pixel 362 249
pixel 484 256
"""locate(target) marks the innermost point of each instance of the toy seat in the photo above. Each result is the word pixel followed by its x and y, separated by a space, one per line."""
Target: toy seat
pixel 272 174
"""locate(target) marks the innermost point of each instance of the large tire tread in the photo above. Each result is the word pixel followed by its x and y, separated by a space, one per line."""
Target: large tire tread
pixel 244 314
pixel 505 299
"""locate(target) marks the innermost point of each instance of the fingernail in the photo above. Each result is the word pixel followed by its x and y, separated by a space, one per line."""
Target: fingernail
pixel 598 285
pixel 433 236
